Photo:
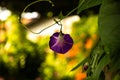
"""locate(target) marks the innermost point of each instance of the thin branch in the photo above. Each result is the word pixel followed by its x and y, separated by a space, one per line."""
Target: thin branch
pixel 56 21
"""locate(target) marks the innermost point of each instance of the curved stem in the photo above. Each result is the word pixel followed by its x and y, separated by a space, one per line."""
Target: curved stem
pixel 26 8
pixel 71 12
pixel 36 2
pixel 40 30
pixel 59 23
pixel 56 21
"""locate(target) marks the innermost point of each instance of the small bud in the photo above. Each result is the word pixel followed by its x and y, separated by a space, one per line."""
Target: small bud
pixel 85 67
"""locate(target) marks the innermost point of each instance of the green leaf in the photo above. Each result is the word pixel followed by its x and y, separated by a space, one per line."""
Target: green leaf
pixel 103 62
pixel 109 25
pixel 81 63
pixel 85 4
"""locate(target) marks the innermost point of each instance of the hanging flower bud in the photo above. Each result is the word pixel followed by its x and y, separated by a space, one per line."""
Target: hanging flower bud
pixel 85 67
pixel 60 43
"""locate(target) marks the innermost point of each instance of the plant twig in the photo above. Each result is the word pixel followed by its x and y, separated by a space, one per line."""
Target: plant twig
pixel 56 21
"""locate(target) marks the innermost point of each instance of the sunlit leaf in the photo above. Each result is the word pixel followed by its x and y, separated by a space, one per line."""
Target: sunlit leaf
pixel 85 4
pixel 109 24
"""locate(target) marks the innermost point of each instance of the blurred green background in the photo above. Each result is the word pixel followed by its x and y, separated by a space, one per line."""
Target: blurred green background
pixel 22 58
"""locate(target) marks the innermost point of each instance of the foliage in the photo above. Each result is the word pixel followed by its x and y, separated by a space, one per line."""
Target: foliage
pixel 104 56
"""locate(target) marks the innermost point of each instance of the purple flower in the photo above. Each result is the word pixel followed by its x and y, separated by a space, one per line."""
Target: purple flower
pixel 60 43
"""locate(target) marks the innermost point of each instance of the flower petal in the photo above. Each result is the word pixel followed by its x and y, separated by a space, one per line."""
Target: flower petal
pixel 53 39
pixel 60 44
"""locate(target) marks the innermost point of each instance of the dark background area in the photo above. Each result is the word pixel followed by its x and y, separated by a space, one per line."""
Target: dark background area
pixel 44 7
pixel 60 5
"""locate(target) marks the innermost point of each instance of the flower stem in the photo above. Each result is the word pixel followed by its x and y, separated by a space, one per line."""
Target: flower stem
pixel 56 21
